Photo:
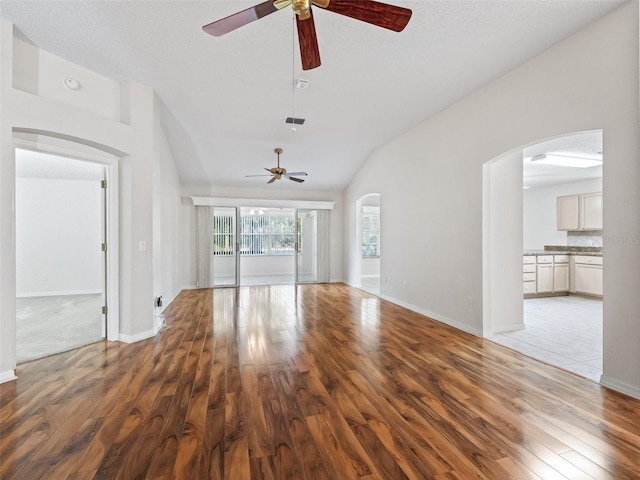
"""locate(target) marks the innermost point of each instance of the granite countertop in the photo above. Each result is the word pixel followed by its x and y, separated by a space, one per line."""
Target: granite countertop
pixel 565 250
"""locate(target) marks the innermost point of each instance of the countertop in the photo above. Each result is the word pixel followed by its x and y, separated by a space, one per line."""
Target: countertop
pixel 565 250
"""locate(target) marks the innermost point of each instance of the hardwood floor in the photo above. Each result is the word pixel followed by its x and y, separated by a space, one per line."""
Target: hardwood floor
pixel 309 382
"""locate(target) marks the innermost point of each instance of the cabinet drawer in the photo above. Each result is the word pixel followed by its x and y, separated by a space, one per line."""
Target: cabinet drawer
pixel 588 260
pixel 529 259
pixel 545 259
pixel 528 268
pixel 561 258
pixel 529 277
pixel 528 287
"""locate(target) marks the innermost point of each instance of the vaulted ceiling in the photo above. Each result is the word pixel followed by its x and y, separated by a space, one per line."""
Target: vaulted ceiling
pixel 224 99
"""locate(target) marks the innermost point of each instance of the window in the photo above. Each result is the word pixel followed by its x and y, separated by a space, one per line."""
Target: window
pixel 370 232
pixel 266 235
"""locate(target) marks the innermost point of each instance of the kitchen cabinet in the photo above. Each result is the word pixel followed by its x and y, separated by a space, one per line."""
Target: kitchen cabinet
pixel 542 274
pixel 591 211
pixel 568 212
pixel 545 278
pixel 529 274
pixel 588 275
pixel 580 212
pixel 561 277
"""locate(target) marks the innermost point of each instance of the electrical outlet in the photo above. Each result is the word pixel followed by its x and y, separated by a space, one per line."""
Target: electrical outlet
pixel 404 284
pixel 44 277
pixel 469 302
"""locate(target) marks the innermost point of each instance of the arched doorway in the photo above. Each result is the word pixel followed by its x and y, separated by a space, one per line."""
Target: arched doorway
pixel 539 298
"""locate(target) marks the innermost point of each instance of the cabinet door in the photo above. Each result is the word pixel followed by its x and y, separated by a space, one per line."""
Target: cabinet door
pixel 561 277
pixel 588 279
pixel 569 212
pixel 545 278
pixel 591 211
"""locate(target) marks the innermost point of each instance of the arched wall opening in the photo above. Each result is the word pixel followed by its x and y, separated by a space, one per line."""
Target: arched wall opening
pixel 504 286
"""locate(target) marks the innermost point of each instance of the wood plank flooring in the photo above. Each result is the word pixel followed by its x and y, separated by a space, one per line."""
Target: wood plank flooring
pixel 309 382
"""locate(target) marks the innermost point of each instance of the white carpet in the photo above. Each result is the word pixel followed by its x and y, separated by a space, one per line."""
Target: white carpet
pixel 54 324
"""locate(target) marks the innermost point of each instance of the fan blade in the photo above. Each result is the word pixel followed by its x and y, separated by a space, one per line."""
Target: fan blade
pixel 299 180
pixel 272 180
pixel 237 20
pixel 295 174
pixel 308 42
pixel 376 13
pixel 262 175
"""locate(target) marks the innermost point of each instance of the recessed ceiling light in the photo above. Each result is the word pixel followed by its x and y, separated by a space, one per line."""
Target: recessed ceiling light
pixel 565 161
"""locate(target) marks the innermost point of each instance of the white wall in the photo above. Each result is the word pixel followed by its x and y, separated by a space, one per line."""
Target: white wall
pixel 502 245
pixel 260 265
pixel 370 266
pixel 188 222
pixel 540 212
pixel 58 237
pixel 120 118
pixel 167 246
pixel 588 81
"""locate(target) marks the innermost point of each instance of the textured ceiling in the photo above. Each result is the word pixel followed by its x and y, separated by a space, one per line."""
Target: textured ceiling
pixel 582 145
pixel 224 99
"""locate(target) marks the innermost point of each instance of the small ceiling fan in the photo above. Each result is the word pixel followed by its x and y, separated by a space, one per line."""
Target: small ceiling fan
pixel 380 14
pixel 276 173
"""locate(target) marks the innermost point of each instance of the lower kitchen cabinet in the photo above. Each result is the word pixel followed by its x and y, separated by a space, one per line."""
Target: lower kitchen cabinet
pixel 545 278
pixel 561 277
pixel 587 275
pixel 546 275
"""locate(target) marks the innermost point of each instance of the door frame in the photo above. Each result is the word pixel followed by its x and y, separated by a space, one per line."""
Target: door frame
pixel 112 220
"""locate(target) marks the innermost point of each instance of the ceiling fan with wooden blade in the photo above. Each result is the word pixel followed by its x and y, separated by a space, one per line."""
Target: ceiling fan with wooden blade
pixel 376 13
pixel 276 173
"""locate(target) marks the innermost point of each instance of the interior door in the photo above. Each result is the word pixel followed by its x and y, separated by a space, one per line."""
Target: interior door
pixel 312 246
pixel 226 254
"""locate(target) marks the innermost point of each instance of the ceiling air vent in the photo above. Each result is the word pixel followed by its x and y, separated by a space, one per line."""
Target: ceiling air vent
pixel 294 121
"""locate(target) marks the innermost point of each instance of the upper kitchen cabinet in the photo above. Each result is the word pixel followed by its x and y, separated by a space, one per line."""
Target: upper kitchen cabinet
pixel 580 212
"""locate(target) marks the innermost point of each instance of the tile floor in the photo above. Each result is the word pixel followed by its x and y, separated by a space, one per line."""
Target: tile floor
pixel 561 331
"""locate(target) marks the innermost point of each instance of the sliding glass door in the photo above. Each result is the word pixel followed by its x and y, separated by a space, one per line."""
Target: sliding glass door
pixel 312 246
pixel 218 252
pixel 266 239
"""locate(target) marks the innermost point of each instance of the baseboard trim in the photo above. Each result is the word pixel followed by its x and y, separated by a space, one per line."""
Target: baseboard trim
pixel 508 328
pixel 58 294
pixel 138 336
pixel 620 386
pixel 8 376
pixel 433 316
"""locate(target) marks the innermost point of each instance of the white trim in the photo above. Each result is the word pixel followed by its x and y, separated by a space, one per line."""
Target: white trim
pixel 433 316
pixel 506 328
pixel 7 376
pixel 620 386
pixel 257 202
pixel 138 336
pixel 58 294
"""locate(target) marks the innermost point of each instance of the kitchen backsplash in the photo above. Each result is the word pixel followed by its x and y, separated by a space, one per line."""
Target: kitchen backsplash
pixel 592 238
